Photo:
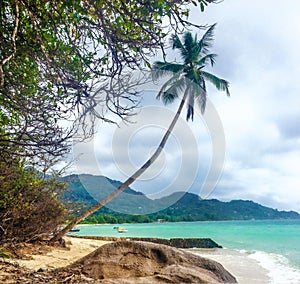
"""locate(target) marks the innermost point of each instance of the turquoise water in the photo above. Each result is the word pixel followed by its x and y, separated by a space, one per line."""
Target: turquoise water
pixel 275 241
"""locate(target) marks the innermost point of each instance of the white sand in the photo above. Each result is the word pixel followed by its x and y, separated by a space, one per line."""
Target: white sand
pixel 60 257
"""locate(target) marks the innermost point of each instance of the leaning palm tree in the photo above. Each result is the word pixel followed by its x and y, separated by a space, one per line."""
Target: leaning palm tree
pixel 189 79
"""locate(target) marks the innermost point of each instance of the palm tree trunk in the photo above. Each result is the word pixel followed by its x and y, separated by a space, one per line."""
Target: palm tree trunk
pixel 129 181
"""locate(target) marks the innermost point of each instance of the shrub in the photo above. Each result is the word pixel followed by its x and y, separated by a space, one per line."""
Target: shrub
pixel 29 209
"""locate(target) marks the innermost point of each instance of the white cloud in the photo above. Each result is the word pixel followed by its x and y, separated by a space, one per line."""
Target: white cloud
pixel 258 50
pixel 261 119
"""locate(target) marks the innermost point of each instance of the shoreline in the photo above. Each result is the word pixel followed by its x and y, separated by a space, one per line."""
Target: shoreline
pixel 235 262
pixel 245 269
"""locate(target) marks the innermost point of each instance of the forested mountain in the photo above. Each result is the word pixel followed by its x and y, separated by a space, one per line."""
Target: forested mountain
pixel 186 206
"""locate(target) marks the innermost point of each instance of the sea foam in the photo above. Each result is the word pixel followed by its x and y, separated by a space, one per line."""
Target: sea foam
pixel 280 269
pixel 246 270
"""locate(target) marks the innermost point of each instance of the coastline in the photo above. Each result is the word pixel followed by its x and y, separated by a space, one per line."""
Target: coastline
pixel 236 263
pixel 245 269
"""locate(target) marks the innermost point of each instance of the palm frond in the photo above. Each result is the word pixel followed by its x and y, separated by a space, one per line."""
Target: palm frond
pixel 169 97
pixel 205 42
pixel 160 69
pixel 198 91
pixel 171 93
pixel 209 57
pixel 190 105
pixel 171 89
pixel 167 84
pixel 220 84
pixel 191 49
pixel 188 41
pixel 176 42
pixel 202 96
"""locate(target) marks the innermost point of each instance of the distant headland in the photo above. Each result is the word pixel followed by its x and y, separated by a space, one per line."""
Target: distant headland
pixel 177 207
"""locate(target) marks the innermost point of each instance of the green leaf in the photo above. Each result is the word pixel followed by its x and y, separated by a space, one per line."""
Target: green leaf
pixel 4 254
pixel 202 7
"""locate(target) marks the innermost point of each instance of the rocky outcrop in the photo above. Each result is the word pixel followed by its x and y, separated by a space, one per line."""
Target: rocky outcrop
pixel 176 242
pixel 143 262
pixel 193 243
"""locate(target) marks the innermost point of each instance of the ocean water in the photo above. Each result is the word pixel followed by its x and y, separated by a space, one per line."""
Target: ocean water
pixel 272 244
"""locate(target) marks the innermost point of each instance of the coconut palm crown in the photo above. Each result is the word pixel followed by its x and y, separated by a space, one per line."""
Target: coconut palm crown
pixel 189 77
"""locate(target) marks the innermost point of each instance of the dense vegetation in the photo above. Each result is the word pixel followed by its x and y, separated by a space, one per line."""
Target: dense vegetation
pixel 64 60
pixel 29 209
pixel 204 210
pixel 63 65
pixel 188 208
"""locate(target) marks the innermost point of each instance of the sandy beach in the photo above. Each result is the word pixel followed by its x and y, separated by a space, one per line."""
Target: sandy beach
pixel 245 269
pixel 60 257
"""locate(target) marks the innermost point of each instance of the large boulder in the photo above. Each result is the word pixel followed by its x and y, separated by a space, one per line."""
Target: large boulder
pixel 143 262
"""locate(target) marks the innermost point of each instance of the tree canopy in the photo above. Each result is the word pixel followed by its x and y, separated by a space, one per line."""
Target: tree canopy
pixel 61 63
pixel 59 59
pixel 189 77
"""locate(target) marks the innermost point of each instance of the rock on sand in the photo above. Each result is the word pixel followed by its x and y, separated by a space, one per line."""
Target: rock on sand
pixel 143 262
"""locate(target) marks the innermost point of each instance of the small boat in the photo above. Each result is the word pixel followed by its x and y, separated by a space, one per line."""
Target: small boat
pixel 122 230
pixel 74 230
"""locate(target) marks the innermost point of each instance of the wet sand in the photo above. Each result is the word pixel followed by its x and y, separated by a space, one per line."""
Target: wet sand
pixel 245 269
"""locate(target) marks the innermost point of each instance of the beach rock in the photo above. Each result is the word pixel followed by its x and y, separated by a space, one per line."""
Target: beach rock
pixel 193 243
pixel 175 242
pixel 143 262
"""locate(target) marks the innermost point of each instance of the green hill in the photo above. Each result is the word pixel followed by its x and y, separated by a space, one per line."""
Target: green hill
pixel 84 190
pixel 192 208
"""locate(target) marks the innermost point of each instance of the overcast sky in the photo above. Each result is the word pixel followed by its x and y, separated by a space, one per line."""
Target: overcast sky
pixel 258 45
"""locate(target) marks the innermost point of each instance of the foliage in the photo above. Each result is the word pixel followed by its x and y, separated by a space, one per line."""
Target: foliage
pixel 189 77
pixel 63 64
pixel 59 60
pixel 113 218
pixel 4 254
pixel 191 208
pixel 188 208
pixel 28 205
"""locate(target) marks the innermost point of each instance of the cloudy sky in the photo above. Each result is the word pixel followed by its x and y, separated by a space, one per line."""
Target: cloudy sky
pixel 246 146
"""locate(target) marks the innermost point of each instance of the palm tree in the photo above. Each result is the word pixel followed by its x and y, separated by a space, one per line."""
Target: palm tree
pixel 188 78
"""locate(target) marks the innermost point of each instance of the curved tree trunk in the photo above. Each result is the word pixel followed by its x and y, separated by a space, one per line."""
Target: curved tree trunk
pixel 129 181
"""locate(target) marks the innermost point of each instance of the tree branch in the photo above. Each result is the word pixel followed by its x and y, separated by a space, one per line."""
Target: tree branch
pixel 13 39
